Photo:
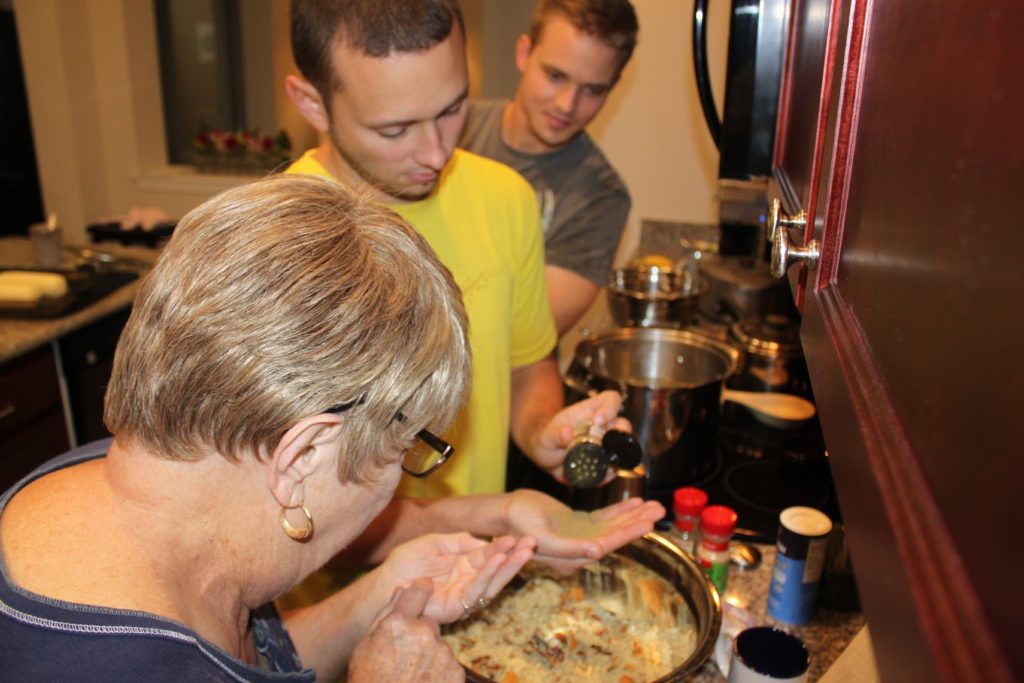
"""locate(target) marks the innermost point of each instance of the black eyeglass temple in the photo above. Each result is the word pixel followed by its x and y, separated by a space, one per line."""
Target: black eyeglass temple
pixel 439 445
pixel 348 405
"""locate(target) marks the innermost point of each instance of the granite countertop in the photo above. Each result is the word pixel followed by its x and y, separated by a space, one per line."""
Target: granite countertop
pixel 20 335
pixel 746 603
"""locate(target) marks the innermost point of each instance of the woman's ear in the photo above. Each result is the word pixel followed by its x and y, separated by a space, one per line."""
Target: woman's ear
pixel 308 447
pixel 307 100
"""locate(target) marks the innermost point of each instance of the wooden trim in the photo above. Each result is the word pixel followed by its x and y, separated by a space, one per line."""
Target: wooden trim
pixel 782 119
pixel 828 72
pixel 962 646
pixel 847 113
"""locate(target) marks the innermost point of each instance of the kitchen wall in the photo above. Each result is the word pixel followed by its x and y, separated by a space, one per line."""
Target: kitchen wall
pixel 92 76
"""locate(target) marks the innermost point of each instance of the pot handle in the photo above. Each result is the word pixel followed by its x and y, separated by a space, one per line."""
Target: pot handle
pixel 578 386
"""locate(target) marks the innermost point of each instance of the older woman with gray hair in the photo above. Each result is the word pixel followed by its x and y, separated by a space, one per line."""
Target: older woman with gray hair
pixel 294 350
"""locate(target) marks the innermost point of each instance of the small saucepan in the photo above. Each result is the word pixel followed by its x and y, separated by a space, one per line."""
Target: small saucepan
pixel 652 296
pixel 772 358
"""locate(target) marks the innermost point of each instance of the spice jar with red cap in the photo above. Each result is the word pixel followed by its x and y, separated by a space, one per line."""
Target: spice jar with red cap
pixel 687 504
pixel 717 524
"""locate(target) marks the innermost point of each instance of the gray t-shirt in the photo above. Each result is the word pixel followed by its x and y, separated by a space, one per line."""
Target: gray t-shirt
pixel 583 201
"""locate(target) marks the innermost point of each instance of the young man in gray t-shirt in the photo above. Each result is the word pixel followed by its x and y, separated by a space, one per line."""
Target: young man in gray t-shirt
pixel 569 61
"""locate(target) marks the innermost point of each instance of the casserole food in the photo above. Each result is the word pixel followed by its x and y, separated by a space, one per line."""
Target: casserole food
pixel 644 613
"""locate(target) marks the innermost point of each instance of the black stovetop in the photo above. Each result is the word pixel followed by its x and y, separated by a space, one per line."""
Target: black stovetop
pixel 761 471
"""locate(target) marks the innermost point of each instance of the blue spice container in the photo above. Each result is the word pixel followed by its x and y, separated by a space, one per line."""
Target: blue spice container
pixel 799 560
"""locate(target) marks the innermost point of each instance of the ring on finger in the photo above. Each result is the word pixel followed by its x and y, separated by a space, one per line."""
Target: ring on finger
pixel 482 602
pixel 466 609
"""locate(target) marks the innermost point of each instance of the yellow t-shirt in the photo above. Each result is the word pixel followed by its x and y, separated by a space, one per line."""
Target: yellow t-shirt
pixel 483 222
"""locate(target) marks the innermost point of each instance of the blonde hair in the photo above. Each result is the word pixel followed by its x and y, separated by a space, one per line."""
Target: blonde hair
pixel 276 300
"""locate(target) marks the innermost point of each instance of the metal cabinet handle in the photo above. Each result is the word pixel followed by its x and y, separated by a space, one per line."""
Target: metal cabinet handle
pixel 785 254
pixel 777 219
pixel 7 409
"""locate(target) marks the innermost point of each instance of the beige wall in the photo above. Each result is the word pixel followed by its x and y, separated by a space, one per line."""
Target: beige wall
pixel 652 128
pixel 93 87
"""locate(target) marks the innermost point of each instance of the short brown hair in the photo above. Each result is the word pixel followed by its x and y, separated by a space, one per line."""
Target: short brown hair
pixel 375 27
pixel 613 22
pixel 275 301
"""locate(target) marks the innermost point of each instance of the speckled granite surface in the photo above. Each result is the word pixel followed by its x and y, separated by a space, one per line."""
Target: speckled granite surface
pixel 19 335
pixel 746 602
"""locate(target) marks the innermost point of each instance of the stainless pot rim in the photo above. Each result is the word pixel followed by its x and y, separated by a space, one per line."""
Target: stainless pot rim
pixel 729 354
pixel 770 337
pixel 682 285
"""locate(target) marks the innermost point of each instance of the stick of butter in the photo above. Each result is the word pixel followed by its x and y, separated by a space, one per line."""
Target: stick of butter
pixel 46 284
pixel 19 293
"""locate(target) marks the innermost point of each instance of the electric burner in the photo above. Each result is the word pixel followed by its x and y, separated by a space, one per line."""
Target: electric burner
pixel 773 486
pixel 763 470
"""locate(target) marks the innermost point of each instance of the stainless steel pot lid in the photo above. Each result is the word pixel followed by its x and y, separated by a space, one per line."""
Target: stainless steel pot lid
pixel 774 336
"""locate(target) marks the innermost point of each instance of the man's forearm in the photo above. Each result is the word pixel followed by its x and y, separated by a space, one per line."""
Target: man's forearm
pixel 407 518
pixel 570 295
pixel 537 395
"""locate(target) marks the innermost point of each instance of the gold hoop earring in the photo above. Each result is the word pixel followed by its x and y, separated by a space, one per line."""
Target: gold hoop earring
pixel 297 534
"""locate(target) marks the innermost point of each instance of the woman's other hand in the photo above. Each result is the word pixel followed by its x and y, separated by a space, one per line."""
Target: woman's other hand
pixel 464 571
pixel 567 539
pixel 403 644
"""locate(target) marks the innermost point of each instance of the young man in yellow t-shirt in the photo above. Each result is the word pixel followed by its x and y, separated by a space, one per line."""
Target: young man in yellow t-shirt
pixel 386 83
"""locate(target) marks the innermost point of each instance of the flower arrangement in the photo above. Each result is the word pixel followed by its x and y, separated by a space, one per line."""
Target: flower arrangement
pixel 244 152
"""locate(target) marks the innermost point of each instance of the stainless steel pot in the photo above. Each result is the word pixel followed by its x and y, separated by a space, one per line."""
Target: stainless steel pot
pixel 665 558
pixel 671 382
pixel 649 296
pixel 740 287
pixel 772 358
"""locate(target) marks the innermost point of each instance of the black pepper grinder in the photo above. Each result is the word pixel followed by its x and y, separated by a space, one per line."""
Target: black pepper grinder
pixel 593 450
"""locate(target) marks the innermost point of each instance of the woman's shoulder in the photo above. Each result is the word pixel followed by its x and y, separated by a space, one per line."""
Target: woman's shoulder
pixel 61 540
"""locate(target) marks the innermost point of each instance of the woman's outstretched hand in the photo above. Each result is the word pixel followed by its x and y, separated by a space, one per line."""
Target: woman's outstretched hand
pixel 567 539
pixel 465 571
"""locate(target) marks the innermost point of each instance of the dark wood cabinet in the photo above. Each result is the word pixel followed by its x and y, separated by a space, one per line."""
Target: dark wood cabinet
pixel 32 426
pixel 901 139
pixel 87 358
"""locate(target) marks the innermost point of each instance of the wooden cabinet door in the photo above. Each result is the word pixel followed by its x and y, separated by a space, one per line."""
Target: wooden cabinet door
pixel 910 169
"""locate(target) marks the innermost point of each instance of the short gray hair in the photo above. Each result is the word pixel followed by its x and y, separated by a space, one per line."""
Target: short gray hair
pixel 276 300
